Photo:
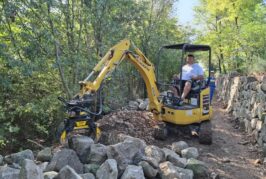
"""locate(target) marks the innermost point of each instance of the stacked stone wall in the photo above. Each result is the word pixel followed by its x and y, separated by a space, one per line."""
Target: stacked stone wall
pixel 245 98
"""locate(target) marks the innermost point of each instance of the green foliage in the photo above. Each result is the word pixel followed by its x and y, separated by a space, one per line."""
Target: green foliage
pixel 235 31
pixel 48 46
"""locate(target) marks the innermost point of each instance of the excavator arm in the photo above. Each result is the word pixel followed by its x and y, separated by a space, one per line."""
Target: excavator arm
pixel 112 59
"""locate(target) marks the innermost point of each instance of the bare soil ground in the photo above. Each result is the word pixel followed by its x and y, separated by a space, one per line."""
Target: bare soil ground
pixel 231 155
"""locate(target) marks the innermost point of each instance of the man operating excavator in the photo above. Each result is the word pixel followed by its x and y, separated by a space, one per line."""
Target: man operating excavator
pixel 190 72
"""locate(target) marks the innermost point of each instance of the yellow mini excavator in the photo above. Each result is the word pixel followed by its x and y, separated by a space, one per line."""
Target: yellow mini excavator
pixel 196 111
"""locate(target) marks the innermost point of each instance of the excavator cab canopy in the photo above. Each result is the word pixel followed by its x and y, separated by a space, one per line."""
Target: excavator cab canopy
pixel 185 47
pixel 188 47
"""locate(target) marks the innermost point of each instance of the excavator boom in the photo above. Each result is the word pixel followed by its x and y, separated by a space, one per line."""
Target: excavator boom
pixel 112 59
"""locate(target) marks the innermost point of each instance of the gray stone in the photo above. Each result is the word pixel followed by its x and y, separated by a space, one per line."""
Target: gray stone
pixel 254 136
pixel 139 100
pixel 91 168
pixel 123 137
pixel 81 144
pixel 263 133
pixel 179 146
pixel 248 128
pixel 169 171
pixel 8 173
pixel 242 111
pixel 133 105
pixel 155 152
pixel 254 123
pixel 133 172
pixel 199 168
pixel 168 152
pixel 143 105
pixel 264 162
pixel 148 170
pixel 63 158
pixel 174 158
pixel 98 154
pixel 87 176
pixel 42 166
pixel 263 88
pixel 50 175
pixel 190 152
pixel 68 173
pixel 154 163
pixel 107 170
pixel 16 166
pixel 1 160
pixel 19 157
pixel 45 155
pixel 260 141
pixel 260 110
pixel 264 150
pixel 259 125
pixel 30 170
pixel 263 116
pixel 125 153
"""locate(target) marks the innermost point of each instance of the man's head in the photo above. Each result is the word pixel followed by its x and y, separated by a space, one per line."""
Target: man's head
pixel 211 73
pixel 190 59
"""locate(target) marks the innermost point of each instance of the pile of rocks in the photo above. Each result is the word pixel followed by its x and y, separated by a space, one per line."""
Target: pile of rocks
pixel 245 98
pixel 138 124
pixel 83 159
pixel 139 104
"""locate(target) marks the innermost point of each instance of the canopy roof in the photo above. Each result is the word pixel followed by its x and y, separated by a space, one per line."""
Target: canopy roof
pixel 188 47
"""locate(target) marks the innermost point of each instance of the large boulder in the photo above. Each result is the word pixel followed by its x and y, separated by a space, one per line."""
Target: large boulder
pixel 45 155
pixel 190 152
pixel 118 138
pixel 179 146
pixel 63 158
pixel 30 170
pixel 148 170
pixel 174 158
pixel 155 152
pixel 98 154
pixel 133 172
pixel 8 173
pixel 169 171
pixel 107 170
pixel 68 173
pixel 153 162
pixel 19 157
pixel 81 144
pixel 199 168
pixel 126 153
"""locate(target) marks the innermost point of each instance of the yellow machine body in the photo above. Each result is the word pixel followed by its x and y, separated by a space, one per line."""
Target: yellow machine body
pixel 188 116
pixel 126 50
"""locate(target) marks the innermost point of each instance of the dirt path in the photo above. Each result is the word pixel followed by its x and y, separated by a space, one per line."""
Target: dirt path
pixel 230 155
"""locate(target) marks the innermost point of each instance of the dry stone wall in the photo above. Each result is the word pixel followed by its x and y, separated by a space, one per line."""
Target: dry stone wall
pixel 245 99
pixel 130 158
